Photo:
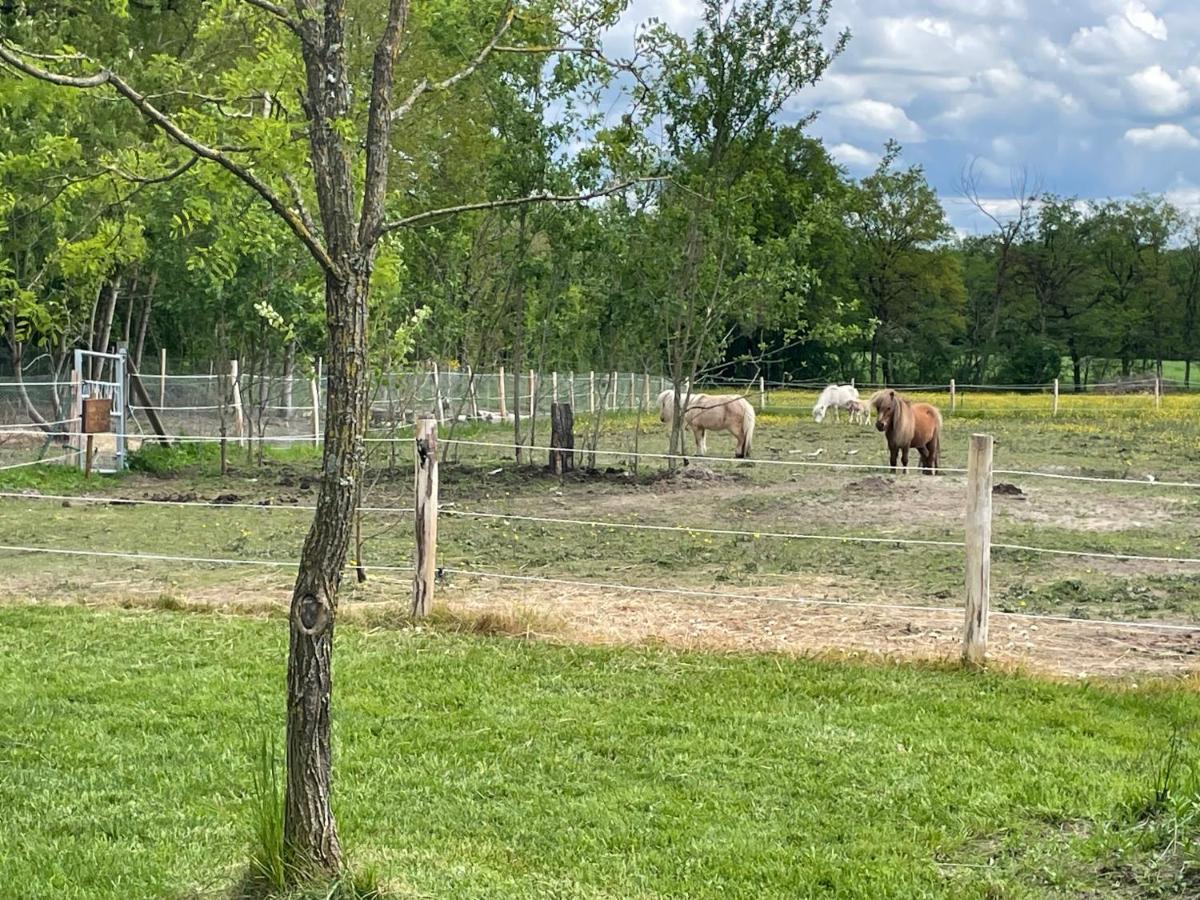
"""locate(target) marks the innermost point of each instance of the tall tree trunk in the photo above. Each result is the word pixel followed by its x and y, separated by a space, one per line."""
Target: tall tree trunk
pixel 144 322
pixel 310 832
pixel 108 309
pixel 1187 371
pixel 519 333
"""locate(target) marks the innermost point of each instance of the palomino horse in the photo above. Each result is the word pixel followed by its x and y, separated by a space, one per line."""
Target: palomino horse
pixel 836 396
pixel 712 413
pixel 907 424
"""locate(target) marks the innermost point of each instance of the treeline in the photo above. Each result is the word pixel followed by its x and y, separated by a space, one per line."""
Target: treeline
pixel 736 245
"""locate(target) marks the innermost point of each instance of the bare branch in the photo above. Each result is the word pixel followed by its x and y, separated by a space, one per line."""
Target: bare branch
pixel 622 65
pixel 152 179
pixel 278 12
pixel 542 197
pixel 424 85
pixel 298 198
pixel 167 125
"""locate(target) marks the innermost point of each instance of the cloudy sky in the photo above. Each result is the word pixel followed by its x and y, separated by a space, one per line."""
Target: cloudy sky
pixel 1094 98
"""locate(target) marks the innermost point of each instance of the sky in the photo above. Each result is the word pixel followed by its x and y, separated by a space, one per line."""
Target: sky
pixel 1090 98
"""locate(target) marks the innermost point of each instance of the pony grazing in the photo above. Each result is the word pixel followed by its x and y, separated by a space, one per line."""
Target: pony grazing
pixel 906 425
pixel 836 396
pixel 716 412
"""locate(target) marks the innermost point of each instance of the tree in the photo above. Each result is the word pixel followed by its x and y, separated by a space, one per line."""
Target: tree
pixel 349 112
pixel 908 277
pixel 722 91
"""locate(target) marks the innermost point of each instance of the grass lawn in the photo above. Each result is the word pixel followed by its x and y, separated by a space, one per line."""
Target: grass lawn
pixel 488 767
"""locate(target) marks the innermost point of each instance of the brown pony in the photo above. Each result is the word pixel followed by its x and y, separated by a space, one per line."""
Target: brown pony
pixel 907 424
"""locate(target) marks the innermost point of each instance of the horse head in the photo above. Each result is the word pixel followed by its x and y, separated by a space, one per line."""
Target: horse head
pixel 884 403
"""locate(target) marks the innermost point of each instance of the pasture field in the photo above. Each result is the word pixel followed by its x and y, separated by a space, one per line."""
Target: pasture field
pixel 612 511
pixel 475 766
pixel 569 730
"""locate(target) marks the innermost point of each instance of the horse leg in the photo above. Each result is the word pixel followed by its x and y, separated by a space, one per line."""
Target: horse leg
pixel 895 451
pixel 701 443
pixel 904 459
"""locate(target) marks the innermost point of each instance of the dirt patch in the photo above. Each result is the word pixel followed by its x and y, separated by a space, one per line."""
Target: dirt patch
pixel 1052 647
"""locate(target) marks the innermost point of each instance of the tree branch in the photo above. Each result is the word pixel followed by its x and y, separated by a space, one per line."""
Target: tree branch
pixel 541 197
pixel 279 13
pixel 151 179
pixel 424 85
pixel 165 124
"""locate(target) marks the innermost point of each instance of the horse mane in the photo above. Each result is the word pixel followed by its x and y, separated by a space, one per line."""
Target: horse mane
pixel 903 419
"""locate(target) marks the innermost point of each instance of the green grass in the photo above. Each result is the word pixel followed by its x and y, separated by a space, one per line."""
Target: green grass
pixel 469 767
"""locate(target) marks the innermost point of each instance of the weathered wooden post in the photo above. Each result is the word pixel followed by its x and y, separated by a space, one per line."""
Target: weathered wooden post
pixel 554 387
pixel 503 406
pixel 1054 401
pixel 162 378
pixel 425 486
pixel 632 391
pixel 591 392
pixel 646 389
pixel 532 394
pixel 239 425
pixel 471 393
pixel 762 393
pixel 562 438
pixel 979 549
pixel 1157 392
pixel 953 396
pixel 314 387
pixel 437 392
pixel 571 389
pixel 615 389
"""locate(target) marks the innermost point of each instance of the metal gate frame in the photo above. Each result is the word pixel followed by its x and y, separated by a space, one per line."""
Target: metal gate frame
pixel 114 389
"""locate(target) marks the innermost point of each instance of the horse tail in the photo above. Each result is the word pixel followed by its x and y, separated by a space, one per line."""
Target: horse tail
pixel 747 427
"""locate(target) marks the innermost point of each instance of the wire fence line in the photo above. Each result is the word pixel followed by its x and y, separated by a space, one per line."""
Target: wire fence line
pixel 956 545
pixel 598 585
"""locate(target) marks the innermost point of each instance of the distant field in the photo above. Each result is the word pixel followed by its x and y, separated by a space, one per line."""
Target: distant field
pixel 489 767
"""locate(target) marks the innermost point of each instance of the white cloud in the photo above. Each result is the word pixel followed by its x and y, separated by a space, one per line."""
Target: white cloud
pixel 879 116
pixel 1009 9
pixel 1166 136
pixel 1157 91
pixel 1145 21
pixel 853 157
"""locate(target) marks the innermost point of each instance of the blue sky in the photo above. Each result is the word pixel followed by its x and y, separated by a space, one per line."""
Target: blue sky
pixel 1094 98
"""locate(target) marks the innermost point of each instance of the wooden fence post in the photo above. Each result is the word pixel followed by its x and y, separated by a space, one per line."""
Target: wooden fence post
pixel 979 549
pixel 437 392
pixel 615 389
pixel 953 395
pixel 425 486
pixel 554 387
pixel 762 393
pixel 238 425
pixel 314 387
pixel 1157 392
pixel 571 388
pixel 562 438
pixel 591 392
pixel 1054 402
pixel 162 378
pixel 471 393
pixel 532 394
pixel 503 406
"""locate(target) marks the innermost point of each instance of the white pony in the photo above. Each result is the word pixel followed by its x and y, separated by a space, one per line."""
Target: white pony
pixel 730 412
pixel 837 396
